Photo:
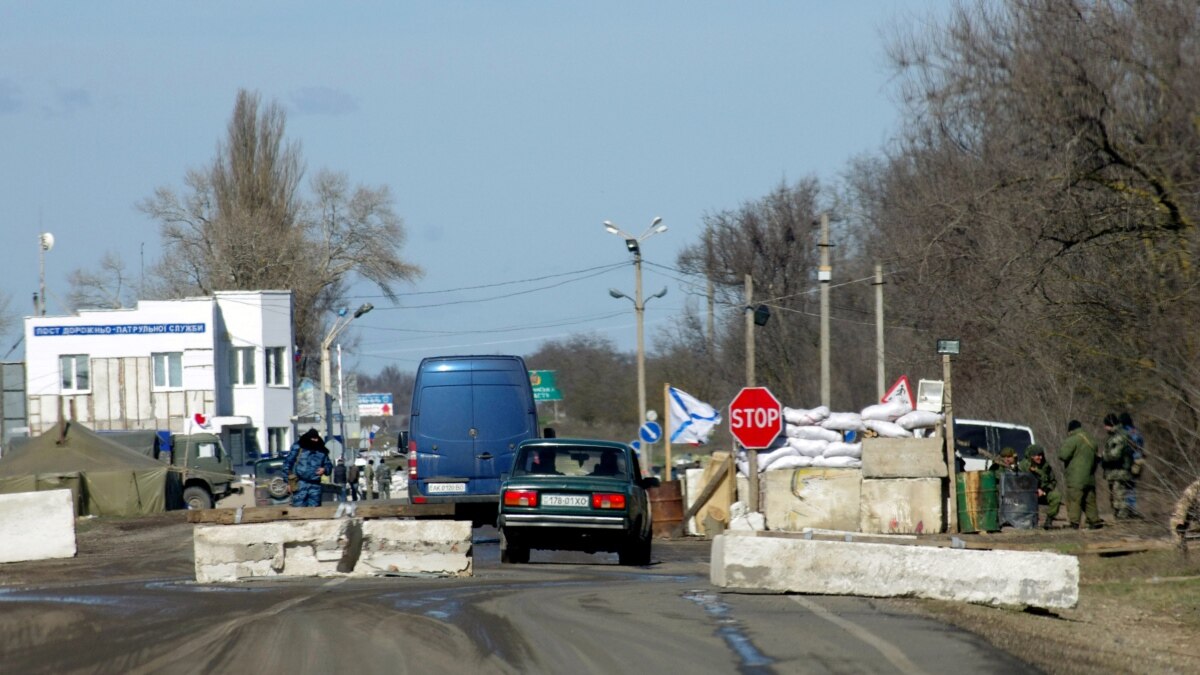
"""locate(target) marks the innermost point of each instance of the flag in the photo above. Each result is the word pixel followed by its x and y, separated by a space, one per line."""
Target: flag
pixel 692 420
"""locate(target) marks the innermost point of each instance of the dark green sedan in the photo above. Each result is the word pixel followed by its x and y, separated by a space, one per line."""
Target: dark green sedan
pixel 575 495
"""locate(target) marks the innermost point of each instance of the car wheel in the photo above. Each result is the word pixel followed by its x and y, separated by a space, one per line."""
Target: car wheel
pixel 197 498
pixel 512 553
pixel 278 487
pixel 635 552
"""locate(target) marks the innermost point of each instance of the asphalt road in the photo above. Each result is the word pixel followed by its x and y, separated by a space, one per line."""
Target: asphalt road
pixel 133 608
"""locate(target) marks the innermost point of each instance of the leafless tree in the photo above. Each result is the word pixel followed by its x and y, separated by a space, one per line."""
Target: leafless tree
pixel 107 286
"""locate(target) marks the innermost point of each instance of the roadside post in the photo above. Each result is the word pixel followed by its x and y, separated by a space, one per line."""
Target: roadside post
pixel 649 433
pixel 755 420
pixel 948 348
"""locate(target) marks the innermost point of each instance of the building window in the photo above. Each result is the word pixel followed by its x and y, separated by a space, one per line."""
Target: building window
pixel 277 437
pixel 74 368
pixel 277 366
pixel 168 370
pixel 241 365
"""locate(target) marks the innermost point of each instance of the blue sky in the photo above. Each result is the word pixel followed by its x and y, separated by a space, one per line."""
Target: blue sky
pixel 506 131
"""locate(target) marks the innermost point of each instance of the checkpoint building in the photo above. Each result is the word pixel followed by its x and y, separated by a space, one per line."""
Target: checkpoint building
pixel 221 364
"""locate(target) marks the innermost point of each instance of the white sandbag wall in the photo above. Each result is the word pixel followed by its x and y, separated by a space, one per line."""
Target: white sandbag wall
pixel 873 471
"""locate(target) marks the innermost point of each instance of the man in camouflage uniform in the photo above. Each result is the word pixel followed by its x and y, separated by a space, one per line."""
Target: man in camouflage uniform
pixel 1116 460
pixel 1139 460
pixel 1035 463
pixel 1007 463
pixel 383 478
pixel 1078 455
pixel 309 461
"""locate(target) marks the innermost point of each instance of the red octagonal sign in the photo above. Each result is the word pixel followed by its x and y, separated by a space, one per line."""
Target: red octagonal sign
pixel 755 417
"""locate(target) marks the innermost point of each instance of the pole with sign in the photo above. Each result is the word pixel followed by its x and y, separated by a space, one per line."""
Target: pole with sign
pixel 755 420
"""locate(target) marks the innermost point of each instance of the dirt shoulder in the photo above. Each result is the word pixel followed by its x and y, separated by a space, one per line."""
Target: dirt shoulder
pixel 1138 611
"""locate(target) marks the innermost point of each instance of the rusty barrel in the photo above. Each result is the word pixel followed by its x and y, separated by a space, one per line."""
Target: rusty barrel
pixel 978 502
pixel 666 508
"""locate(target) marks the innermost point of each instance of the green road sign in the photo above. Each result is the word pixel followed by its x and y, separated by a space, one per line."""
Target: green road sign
pixel 544 387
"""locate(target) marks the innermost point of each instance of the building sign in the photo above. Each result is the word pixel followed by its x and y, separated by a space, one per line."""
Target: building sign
pixel 544 386
pixel 126 329
pixel 375 405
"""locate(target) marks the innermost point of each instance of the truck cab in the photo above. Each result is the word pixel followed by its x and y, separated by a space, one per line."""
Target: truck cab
pixel 206 472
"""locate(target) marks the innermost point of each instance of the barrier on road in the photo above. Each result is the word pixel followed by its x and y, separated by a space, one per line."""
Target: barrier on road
pixel 37 526
pixel 1005 578
pixel 337 547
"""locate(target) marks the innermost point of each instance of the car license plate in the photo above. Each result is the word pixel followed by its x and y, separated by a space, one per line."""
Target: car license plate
pixel 564 500
pixel 445 488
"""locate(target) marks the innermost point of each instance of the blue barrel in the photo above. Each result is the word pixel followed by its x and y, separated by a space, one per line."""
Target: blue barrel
pixel 1018 499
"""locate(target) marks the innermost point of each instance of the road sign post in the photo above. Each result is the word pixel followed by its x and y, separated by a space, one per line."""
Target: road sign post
pixel 755 420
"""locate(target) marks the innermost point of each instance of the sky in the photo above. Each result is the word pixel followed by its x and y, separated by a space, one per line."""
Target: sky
pixel 507 133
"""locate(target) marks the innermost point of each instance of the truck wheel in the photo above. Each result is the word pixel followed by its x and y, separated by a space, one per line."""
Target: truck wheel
pixel 197 498
pixel 511 553
pixel 278 487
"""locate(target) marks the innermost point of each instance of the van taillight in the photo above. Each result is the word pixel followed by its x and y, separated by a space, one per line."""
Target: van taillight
pixel 605 500
pixel 520 498
pixel 412 460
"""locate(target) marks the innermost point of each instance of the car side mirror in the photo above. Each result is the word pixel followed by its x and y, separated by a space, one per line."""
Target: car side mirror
pixel 403 441
pixel 549 432
pixel 651 482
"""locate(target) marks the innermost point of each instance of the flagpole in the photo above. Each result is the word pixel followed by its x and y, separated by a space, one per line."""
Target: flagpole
pixel 667 426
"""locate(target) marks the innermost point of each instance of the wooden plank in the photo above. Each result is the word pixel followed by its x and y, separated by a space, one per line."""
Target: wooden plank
pixel 266 514
pixel 705 494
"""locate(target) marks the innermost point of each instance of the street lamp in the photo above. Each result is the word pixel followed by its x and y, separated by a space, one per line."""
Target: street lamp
pixel 633 244
pixel 45 243
pixel 339 324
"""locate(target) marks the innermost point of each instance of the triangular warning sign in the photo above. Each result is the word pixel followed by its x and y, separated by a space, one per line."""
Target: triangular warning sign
pixel 902 390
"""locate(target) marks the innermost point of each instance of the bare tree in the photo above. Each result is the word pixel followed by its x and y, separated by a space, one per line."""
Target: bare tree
pixel 106 287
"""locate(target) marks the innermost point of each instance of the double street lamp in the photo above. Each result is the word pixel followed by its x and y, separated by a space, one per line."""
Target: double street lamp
pixel 339 325
pixel 633 244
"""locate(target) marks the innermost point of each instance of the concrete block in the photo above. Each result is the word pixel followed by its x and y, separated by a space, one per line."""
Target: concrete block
pixel 902 506
pixel 812 498
pixel 337 547
pixel 441 547
pixel 1002 578
pixel 903 458
pixel 37 526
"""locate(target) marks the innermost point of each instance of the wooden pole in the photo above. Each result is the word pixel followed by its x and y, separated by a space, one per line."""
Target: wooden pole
pixel 667 425
pixel 948 405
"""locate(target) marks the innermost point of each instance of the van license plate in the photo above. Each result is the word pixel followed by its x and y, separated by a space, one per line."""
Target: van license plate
pixel 445 488
pixel 564 500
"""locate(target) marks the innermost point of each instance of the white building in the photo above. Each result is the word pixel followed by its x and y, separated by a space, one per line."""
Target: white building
pixel 220 364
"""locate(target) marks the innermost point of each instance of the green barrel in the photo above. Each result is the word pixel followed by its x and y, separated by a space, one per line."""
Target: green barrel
pixel 978 502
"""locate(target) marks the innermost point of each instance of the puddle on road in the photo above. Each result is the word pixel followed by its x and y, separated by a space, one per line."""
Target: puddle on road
pixel 729 630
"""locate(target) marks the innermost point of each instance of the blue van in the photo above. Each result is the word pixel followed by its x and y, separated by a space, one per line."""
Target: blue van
pixel 468 415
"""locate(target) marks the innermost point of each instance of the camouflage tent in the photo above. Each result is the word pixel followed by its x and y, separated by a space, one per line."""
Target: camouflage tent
pixel 105 478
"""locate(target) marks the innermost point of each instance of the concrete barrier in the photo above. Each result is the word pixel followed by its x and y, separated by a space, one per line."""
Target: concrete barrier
pixel 903 458
pixel 812 498
pixel 1003 578
pixel 902 506
pixel 37 526
pixel 337 547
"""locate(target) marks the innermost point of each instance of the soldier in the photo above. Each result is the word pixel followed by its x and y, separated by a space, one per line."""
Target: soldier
pixel 368 474
pixel 1007 463
pixel 310 462
pixel 1139 460
pixel 383 478
pixel 1116 460
pixel 352 481
pixel 1078 455
pixel 1035 462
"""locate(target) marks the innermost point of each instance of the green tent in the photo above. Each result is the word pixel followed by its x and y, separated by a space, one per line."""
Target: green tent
pixel 105 477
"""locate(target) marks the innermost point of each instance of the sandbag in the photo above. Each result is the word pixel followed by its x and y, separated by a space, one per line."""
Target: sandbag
pixel 837 462
pixel 841 449
pixel 843 421
pixel 887 429
pixel 792 462
pixel 919 419
pixel 765 459
pixel 809 448
pixel 812 433
pixel 886 411
pixel 802 417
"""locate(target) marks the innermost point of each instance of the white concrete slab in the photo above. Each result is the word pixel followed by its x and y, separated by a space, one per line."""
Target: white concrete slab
pixel 902 506
pixel 903 458
pixel 1003 578
pixel 796 499
pixel 335 547
pixel 37 526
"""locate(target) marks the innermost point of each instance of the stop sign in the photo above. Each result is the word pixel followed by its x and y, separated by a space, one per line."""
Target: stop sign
pixel 755 417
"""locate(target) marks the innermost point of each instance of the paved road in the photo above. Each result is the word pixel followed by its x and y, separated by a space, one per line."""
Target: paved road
pixel 563 613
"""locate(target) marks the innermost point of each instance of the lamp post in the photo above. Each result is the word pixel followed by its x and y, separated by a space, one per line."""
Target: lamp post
pixel 633 244
pixel 339 325
pixel 45 243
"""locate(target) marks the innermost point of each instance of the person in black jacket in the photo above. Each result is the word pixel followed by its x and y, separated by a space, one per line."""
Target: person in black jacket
pixel 339 479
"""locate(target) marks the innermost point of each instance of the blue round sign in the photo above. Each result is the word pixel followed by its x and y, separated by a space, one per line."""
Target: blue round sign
pixel 636 445
pixel 650 432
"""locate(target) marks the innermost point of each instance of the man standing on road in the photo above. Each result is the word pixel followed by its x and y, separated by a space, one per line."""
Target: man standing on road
pixel 352 480
pixel 1078 455
pixel 1116 461
pixel 368 479
pixel 339 479
pixel 383 477
pixel 1035 463
pixel 309 464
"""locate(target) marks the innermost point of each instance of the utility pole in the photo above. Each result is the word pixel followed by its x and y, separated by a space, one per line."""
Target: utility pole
pixel 880 380
pixel 752 455
pixel 948 405
pixel 824 276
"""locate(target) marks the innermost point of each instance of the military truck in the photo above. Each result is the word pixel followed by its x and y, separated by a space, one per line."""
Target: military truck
pixel 204 468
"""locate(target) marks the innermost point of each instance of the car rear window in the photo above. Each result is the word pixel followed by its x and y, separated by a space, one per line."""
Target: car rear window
pixel 571 461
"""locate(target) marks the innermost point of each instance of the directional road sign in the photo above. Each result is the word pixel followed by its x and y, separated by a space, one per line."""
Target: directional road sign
pixel 650 432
